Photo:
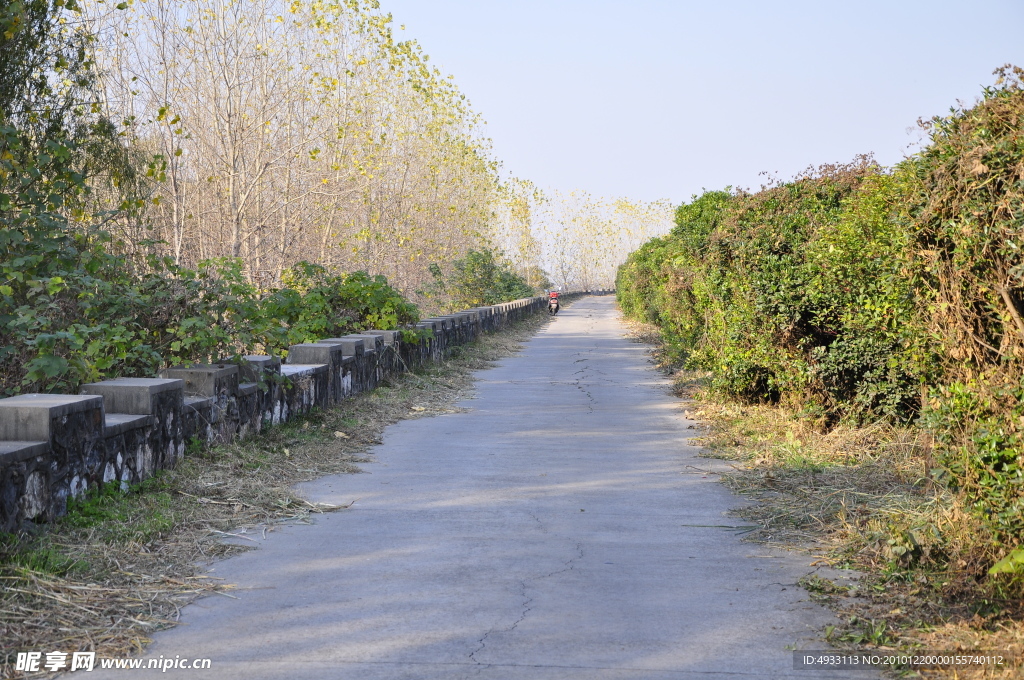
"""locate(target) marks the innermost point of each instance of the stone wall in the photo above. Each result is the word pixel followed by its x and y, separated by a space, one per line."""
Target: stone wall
pixel 55 446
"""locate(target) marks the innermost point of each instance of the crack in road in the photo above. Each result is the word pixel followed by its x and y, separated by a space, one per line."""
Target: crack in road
pixel 583 373
pixel 527 601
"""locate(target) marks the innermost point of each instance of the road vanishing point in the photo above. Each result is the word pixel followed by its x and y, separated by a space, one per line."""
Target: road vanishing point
pixel 563 527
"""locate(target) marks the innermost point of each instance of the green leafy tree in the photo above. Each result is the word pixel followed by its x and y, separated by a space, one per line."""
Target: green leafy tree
pixel 62 311
pixel 479 279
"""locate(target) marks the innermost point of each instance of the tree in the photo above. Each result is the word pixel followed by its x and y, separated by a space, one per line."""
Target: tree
pixel 300 130
pixel 585 239
pixel 60 162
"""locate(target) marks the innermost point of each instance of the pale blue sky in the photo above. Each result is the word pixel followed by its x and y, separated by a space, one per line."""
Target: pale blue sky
pixel 657 99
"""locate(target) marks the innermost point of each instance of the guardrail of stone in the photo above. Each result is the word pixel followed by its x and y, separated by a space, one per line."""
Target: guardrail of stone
pixel 55 446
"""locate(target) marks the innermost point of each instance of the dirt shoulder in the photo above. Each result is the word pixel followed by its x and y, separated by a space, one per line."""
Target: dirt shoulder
pixel 862 498
pixel 120 566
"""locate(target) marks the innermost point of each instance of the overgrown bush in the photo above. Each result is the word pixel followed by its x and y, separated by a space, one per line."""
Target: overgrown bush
pixel 970 238
pixel 856 293
pixel 121 324
pixel 58 273
pixel 791 293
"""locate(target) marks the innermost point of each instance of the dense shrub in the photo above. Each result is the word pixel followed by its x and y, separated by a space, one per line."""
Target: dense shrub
pixel 61 310
pixel 970 238
pixel 118 323
pixel 758 289
pixel 859 293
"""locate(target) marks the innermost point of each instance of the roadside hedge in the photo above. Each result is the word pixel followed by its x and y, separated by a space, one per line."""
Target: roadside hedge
pixel 856 293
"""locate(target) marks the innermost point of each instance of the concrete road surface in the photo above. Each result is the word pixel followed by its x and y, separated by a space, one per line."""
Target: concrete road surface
pixel 562 528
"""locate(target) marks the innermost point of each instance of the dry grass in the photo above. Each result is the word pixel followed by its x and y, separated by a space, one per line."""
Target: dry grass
pixel 121 566
pixel 863 498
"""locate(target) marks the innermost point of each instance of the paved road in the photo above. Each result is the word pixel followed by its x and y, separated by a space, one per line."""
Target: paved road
pixel 560 529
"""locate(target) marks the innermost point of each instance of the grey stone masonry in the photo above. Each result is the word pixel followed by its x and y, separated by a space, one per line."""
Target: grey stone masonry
pixel 261 392
pixel 200 417
pixel 215 381
pixel 305 389
pixel 144 426
pixel 72 427
pixel 330 354
pixel 54 447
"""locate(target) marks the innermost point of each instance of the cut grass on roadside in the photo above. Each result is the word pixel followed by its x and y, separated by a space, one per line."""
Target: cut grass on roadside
pixel 863 498
pixel 120 566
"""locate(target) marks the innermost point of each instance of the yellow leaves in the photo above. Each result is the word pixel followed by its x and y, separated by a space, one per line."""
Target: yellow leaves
pixel 398 149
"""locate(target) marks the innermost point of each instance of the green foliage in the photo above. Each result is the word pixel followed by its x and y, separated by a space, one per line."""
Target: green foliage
pixel 969 241
pixel 478 279
pixel 140 513
pixel 862 294
pixel 16 553
pixel 657 283
pixel 58 276
pixel 85 329
pixel 979 444
pixel 1011 564
pixel 642 288
pixel 315 303
pixel 877 359
pixel 757 290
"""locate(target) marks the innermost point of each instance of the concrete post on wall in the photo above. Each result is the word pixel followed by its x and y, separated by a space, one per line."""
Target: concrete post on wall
pixel 444 329
pixel 433 347
pixel 365 373
pixel 354 364
pixel 390 359
pixel 144 425
pixel 260 393
pixel 450 332
pixel 305 388
pixel 211 393
pixel 328 353
pixel 416 354
pixel 55 450
pixel 373 348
